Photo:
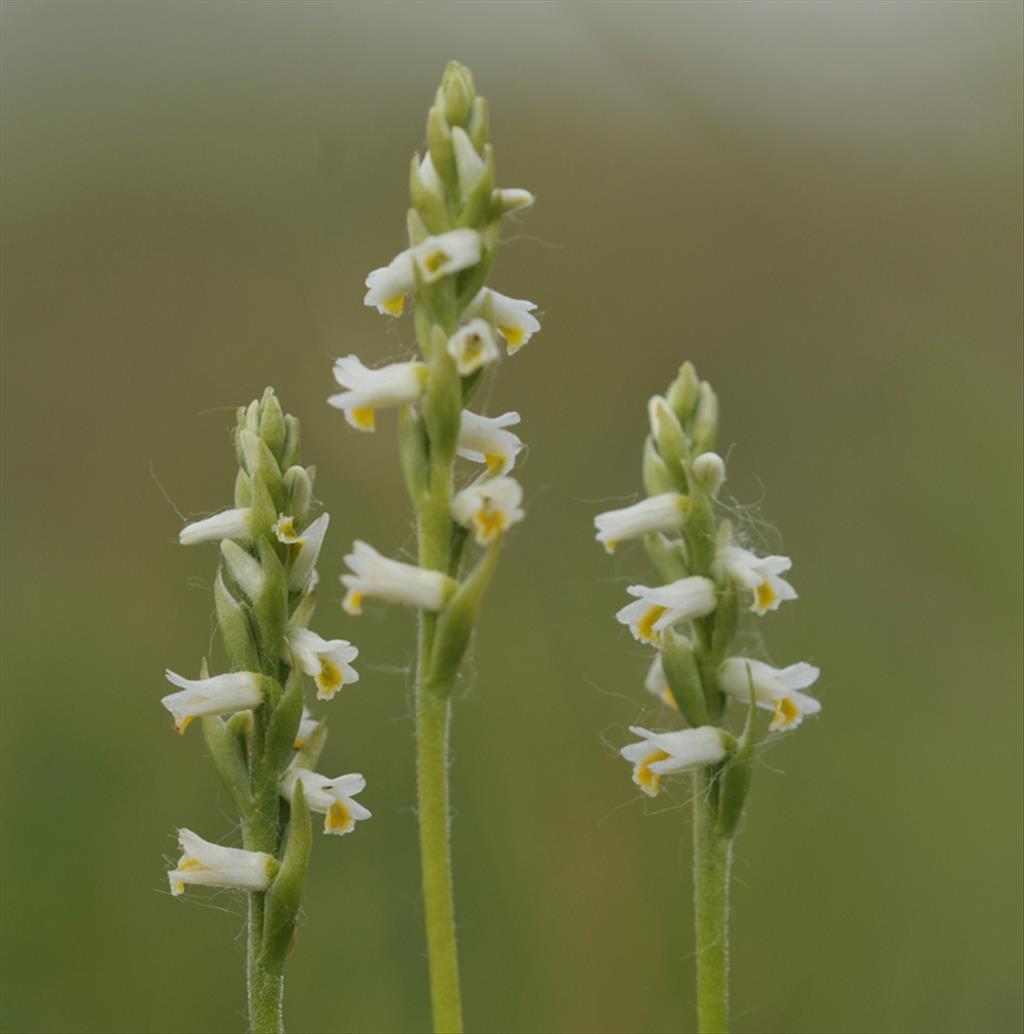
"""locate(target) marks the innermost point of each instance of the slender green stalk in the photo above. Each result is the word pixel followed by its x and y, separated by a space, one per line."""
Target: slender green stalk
pixel 712 858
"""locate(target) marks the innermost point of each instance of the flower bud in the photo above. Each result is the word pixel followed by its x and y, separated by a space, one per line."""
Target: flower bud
pixel 457 93
pixel 705 423
pixel 683 391
pixel 669 437
pixel 709 470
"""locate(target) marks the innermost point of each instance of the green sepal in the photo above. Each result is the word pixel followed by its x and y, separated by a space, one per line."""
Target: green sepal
pixel 682 392
pixel 683 676
pixel 302 610
pixel 457 93
pixel 283 726
pixel 431 208
pixel 657 480
pixel 442 402
pixel 228 756
pixel 439 143
pixel 260 462
pixel 478 126
pixel 734 782
pixel 309 755
pixel 414 453
pixel 252 417
pixel 416 229
pixel 264 512
pixel 671 441
pixel 705 423
pixel 272 426
pixel 478 201
pixel 455 622
pixel 298 491
pixel 243 489
pixel 471 280
pixel 700 530
pixel 285 895
pixel 235 628
pixel 726 621
pixel 292 442
pixel 240 725
pixel 424 325
pixel 667 556
pixel 271 606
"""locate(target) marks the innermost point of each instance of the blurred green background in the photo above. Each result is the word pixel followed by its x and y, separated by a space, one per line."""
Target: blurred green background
pixel 820 204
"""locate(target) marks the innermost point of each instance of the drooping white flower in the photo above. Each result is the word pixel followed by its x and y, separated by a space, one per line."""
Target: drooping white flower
pixel 775 689
pixel 368 390
pixel 433 258
pixel 328 661
pixel 211 865
pixel 219 694
pixel 758 575
pixel 657 684
pixel 306 549
pixel 657 608
pixel 511 316
pixel 228 524
pixel 331 797
pixel 484 439
pixel 307 726
pixel 472 347
pixel 658 513
pixel 489 508
pixel 376 576
pixel 660 754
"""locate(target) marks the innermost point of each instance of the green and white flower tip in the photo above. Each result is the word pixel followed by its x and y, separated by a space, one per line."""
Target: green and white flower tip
pixel 211 865
pixel 709 470
pixel 333 798
pixel 660 607
pixel 512 317
pixel 219 694
pixel 485 440
pixel 306 549
pixel 473 347
pixel 430 260
pixel 659 754
pixel 327 661
pixel 775 689
pixel 758 575
pixel 368 390
pixel 489 508
pixel 228 524
pixel 658 513
pixel 378 577
pixel 307 726
pixel 656 683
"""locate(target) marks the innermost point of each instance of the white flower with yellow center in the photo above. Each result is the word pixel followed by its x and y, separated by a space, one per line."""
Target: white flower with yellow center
pixel 333 798
pixel 511 316
pixel 660 607
pixel 367 390
pixel 432 259
pixel 306 545
pixel 473 347
pixel 775 689
pixel 307 726
pixel 660 754
pixel 228 524
pixel 489 508
pixel 657 684
pixel 219 694
pixel 484 439
pixel 758 575
pixel 378 577
pixel 658 513
pixel 328 661
pixel 211 865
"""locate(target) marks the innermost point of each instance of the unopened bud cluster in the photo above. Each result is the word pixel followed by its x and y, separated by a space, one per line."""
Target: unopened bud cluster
pixel 692 616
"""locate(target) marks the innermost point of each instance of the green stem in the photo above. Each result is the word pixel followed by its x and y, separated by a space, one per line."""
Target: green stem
pixel 712 857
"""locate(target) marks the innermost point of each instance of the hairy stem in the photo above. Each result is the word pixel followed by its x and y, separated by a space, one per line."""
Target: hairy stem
pixel 712 857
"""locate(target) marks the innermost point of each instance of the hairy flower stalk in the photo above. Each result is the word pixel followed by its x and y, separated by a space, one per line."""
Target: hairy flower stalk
pixel 692 618
pixel 461 323
pixel 263 742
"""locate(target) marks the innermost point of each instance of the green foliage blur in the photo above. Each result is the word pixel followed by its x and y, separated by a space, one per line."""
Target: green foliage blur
pixel 819 204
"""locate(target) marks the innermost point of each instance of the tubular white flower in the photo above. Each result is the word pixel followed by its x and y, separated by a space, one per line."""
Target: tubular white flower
pixel 775 689
pixel 228 524
pixel 307 726
pixel 211 865
pixel 326 660
pixel 243 567
pixel 302 573
pixel 660 754
pixel 433 258
pixel 657 608
pixel 484 439
pixel 513 199
pixel 331 797
pixel 658 513
pixel 430 178
pixel 220 694
pixel 511 316
pixel 657 684
pixel 472 347
pixel 368 390
pixel 469 165
pixel 489 508
pixel 758 575
pixel 378 577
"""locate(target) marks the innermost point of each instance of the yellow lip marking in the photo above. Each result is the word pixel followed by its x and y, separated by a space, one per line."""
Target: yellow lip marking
pixel 648 781
pixel 286 532
pixel 787 714
pixel 494 463
pixel 394 306
pixel 184 723
pixel 435 260
pixel 353 603
pixel 515 337
pixel 339 819
pixel 364 418
pixel 765 596
pixel 489 524
pixel 645 626
pixel 329 680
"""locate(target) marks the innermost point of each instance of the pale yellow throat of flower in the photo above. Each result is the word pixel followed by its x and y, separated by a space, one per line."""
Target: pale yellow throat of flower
pixel 786 713
pixel 489 524
pixel 513 336
pixel 364 418
pixel 765 595
pixel 645 626
pixel 330 679
pixel 648 781
pixel 394 306
pixel 339 819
